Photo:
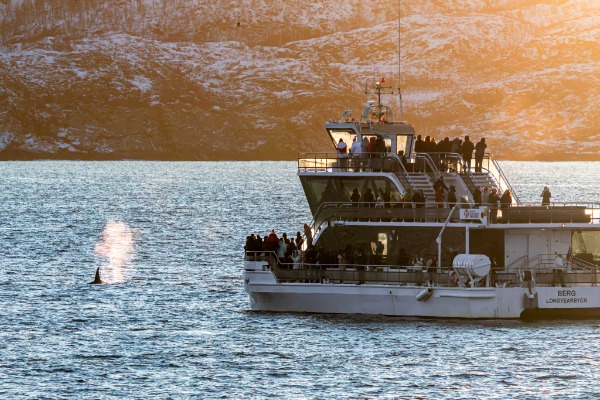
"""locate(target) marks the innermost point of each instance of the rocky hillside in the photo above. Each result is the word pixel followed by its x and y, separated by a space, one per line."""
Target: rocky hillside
pixel 241 79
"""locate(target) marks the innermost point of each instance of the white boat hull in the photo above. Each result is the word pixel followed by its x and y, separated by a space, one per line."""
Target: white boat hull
pixel 266 294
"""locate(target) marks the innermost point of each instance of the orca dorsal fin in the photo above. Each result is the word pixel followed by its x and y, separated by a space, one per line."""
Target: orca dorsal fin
pixel 97 280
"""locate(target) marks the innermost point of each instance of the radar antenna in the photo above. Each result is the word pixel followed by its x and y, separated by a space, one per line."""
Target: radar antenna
pixel 379 89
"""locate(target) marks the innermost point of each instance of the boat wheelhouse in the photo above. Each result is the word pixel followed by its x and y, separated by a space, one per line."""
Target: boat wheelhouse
pixel 394 253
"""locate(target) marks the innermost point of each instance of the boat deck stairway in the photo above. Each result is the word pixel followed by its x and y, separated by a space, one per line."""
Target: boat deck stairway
pixel 480 179
pixel 422 181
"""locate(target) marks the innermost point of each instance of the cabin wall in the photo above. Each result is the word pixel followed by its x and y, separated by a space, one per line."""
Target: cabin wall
pixel 534 242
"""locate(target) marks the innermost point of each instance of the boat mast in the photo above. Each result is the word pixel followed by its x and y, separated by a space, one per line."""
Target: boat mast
pixel 399 59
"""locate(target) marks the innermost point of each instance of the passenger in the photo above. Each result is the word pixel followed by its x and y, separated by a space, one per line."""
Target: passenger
pixel 355 153
pixel 290 249
pixel 297 259
pixel 356 148
pixel 380 146
pixel 457 149
pixel 439 183
pixel 427 145
pixel 419 165
pixel 477 196
pixel 444 147
pixel 485 196
pixel 371 147
pixel 418 265
pixel 546 196
pixel 379 201
pixel 451 197
pixel 272 241
pixel 367 197
pixel 494 206
pixel 456 146
pixel 310 255
pixel 404 161
pixel 557 271
pixel 439 197
pixel 249 247
pixel 299 240
pixel 419 145
pixel 479 153
pixel 467 152
pixel 281 247
pixel 505 203
pixel 308 235
pixel 342 150
pixel 386 196
pixel 364 145
pixel 355 197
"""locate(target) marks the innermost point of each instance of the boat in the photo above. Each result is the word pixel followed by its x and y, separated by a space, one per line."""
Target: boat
pixel 395 255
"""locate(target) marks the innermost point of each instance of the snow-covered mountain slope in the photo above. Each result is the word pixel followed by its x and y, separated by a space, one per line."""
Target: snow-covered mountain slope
pixel 240 79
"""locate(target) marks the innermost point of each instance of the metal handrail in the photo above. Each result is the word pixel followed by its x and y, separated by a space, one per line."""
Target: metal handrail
pixel 430 163
pixel 406 174
pixel 449 156
pixel 501 178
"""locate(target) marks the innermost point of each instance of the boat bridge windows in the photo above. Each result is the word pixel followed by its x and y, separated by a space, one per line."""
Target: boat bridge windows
pixel 338 189
pixel 404 143
pixel 347 135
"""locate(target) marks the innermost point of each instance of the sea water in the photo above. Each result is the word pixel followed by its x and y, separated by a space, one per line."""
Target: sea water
pixel 173 320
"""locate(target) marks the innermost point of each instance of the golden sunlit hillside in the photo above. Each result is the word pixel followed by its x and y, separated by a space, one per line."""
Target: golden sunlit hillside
pixel 256 80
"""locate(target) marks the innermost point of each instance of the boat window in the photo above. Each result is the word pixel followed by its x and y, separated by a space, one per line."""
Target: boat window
pixel 348 136
pixel 336 189
pixel 586 245
pixel 404 142
pixel 401 245
pixel 388 142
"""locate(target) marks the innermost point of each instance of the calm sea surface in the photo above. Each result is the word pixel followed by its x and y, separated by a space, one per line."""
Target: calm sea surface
pixel 174 321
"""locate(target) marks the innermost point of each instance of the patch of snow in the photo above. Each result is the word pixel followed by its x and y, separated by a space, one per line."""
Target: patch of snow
pixel 80 74
pixel 5 139
pixel 68 146
pixel 143 83
pixel 62 132
pixel 253 146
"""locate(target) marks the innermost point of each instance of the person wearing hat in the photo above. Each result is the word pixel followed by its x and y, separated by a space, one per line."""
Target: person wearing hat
pixel 546 196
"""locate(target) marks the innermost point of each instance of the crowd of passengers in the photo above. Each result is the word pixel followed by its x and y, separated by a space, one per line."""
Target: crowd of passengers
pixel 287 249
pixel 375 146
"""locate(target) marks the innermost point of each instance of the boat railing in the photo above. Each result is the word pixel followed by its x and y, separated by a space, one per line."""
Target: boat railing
pixel 424 163
pixel 539 272
pixel 331 213
pixel 557 212
pixel 364 162
pixel 493 167
pixel 451 162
